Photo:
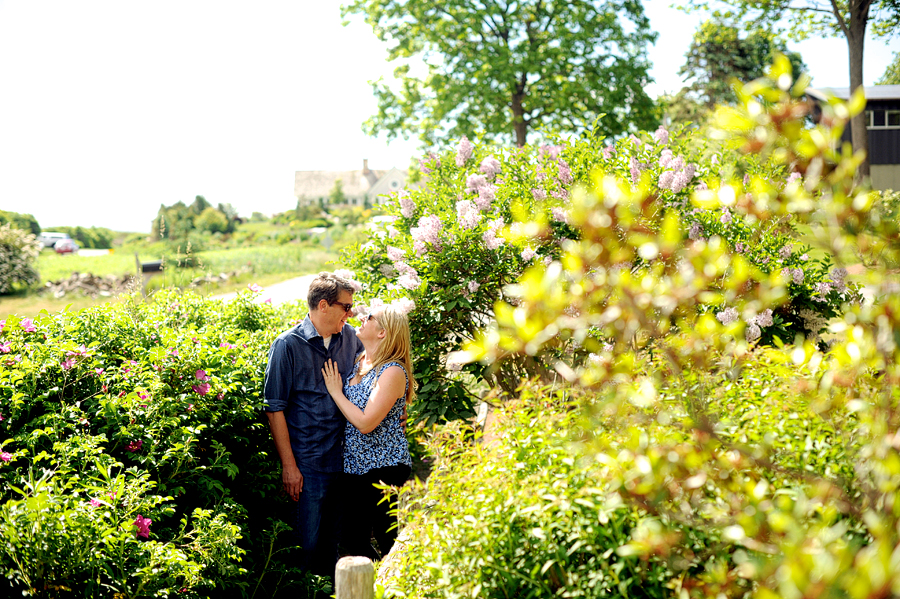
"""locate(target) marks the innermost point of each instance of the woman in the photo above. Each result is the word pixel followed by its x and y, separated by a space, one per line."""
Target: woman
pixel 375 448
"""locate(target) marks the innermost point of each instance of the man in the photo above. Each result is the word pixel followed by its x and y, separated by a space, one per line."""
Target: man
pixel 306 424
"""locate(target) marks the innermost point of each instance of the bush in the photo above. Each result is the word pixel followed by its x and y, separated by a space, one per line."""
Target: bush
pixel 790 469
pixel 18 251
pixel 142 410
pixel 485 215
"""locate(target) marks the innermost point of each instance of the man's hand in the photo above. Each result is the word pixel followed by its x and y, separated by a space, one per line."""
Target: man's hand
pixel 293 481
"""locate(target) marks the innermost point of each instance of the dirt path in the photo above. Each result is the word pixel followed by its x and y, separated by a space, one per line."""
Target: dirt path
pixel 279 293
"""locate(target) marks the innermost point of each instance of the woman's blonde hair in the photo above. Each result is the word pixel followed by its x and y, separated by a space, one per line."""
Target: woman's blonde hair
pixel 395 346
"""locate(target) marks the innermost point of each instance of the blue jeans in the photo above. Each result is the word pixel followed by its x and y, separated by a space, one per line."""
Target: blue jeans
pixel 315 522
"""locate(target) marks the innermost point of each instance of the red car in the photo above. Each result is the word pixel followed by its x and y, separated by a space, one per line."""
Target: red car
pixel 65 246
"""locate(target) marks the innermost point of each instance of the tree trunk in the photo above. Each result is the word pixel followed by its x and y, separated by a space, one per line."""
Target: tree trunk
pixel 856 37
pixel 519 125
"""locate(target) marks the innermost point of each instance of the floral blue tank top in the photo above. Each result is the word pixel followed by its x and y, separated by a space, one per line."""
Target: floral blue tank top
pixel 384 446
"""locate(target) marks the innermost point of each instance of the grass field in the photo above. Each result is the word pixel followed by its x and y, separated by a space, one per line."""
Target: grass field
pixel 263 265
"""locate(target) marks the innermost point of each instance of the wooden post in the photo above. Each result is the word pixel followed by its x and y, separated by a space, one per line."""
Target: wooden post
pixel 354 578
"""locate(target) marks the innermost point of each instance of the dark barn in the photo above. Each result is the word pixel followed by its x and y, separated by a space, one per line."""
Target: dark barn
pixel 883 118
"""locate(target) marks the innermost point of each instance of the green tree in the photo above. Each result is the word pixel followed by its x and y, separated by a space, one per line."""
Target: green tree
pixel 212 220
pixel 26 222
pixel 199 205
pixel 336 196
pixel 892 72
pixel 19 250
pixel 718 55
pixel 502 69
pixel 802 19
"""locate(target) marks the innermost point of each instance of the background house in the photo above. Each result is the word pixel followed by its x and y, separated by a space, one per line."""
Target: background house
pixel 348 188
pixel 883 118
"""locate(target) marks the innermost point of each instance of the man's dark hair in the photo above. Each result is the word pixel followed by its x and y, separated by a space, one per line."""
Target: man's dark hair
pixel 326 286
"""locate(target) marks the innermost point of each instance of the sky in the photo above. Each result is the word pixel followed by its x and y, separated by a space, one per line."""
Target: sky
pixel 110 108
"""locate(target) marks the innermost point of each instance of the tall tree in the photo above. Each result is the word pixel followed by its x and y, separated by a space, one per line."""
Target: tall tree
pixel 501 68
pixel 891 74
pixel 719 54
pixel 803 18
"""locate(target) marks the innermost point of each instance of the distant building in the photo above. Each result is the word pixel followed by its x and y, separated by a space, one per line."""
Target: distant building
pixel 883 123
pixel 358 187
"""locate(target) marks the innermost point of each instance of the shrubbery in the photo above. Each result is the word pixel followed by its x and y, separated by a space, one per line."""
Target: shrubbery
pixel 18 251
pixel 486 214
pixel 558 500
pixel 135 461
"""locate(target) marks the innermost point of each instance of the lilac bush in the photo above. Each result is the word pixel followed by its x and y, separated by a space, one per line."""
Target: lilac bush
pixel 461 237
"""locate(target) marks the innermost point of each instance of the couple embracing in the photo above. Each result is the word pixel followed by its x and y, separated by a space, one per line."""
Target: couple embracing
pixel 336 402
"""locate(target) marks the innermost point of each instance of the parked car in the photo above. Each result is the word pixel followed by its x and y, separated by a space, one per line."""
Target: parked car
pixel 49 238
pixel 65 246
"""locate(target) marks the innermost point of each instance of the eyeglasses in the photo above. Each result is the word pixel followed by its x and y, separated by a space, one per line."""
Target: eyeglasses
pixel 347 307
pixel 366 317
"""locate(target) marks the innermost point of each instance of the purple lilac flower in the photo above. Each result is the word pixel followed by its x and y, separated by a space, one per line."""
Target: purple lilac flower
pixel 490 166
pixel 804 257
pixel 727 316
pixel 560 194
pixel 394 254
pixel 792 177
pixel 682 178
pixel 740 247
pixel 527 254
pixel 405 269
pixel 464 151
pixel 785 252
pixel 475 182
pixel 539 194
pixel 559 215
pixel 666 178
pixel 752 332
pixel 565 173
pixel 547 260
pixel 702 186
pixel 473 286
pixel 635 140
pixel 428 231
pixel 636 168
pixel 143 527
pixel 432 159
pixel 798 275
pixel 407 206
pixel 665 158
pixel 608 151
pixel 764 319
pixel 485 197
pixel 409 281
pixel 726 216
pixel 467 214
pixel 550 151
pixel 661 135
pixel 403 304
pixel 696 232
pixel 491 240
pixel 747 179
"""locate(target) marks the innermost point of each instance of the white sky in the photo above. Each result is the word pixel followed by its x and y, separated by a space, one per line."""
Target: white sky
pixel 110 108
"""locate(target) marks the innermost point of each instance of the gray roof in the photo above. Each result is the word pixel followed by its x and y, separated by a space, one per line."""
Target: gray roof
pixel 873 92
pixel 318 184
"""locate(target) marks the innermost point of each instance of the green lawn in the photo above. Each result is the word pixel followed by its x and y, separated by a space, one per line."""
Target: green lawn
pixel 263 265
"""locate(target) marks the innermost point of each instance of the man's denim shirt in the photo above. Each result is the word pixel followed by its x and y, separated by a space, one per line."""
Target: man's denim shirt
pixel 295 385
